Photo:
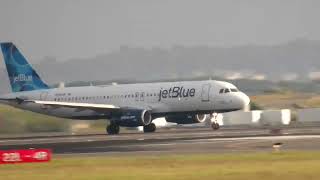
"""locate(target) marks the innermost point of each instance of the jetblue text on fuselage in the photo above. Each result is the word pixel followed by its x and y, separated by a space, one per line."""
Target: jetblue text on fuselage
pixel 176 92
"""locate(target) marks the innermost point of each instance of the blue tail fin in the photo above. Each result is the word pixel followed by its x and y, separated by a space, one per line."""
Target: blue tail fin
pixel 22 76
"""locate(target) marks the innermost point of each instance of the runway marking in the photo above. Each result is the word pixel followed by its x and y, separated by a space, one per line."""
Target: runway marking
pixel 131 145
pixel 171 137
pixel 285 137
pixel 241 140
pixel 108 153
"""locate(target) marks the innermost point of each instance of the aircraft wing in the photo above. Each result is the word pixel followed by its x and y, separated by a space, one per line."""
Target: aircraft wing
pixel 76 105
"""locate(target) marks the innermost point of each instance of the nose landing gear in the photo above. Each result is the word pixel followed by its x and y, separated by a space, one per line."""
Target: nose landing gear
pixel 215 126
pixel 214 121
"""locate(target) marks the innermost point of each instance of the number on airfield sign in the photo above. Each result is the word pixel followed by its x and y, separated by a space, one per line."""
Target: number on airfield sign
pixel 41 155
pixel 21 156
pixel 11 157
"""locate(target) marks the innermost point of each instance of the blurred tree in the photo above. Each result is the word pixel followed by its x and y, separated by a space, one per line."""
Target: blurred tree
pixel 255 106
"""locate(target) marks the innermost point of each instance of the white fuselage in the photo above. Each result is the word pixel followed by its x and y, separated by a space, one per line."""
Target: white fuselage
pixel 160 98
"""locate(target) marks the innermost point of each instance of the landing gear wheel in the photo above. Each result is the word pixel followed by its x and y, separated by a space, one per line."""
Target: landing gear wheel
pixel 215 126
pixel 113 129
pixel 149 128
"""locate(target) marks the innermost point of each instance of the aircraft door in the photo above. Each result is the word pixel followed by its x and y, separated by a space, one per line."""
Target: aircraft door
pixel 137 96
pixel 205 94
pixel 142 96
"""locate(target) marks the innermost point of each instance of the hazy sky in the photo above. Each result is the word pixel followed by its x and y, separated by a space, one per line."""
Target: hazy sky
pixel 83 28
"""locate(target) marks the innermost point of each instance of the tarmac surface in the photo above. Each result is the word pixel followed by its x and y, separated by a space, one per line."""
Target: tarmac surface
pixel 174 141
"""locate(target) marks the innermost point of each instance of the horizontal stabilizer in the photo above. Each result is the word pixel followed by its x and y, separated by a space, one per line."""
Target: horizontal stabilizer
pixel 17 100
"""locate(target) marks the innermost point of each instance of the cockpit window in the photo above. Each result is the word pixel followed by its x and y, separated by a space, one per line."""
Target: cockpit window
pixel 227 90
pixel 234 90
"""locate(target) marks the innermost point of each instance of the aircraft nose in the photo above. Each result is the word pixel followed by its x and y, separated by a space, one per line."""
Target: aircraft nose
pixel 243 100
pixel 246 99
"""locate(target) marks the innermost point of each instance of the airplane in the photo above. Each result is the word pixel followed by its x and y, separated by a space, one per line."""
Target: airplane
pixel 126 105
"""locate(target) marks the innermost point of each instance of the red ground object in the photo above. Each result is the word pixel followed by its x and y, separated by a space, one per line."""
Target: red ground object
pixel 25 156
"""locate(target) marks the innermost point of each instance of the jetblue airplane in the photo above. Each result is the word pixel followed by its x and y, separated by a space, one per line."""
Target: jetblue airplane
pixel 127 105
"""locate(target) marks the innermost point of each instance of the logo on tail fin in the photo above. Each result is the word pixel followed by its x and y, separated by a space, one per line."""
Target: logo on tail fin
pixel 22 76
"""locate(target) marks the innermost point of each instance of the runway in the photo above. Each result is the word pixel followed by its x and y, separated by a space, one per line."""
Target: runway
pixel 173 142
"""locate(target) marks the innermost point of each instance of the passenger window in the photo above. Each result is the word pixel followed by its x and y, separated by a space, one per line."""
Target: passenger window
pixel 226 90
pixel 221 91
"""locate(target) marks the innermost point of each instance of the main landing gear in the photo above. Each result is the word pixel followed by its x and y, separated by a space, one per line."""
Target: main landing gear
pixel 149 128
pixel 214 121
pixel 113 128
pixel 215 126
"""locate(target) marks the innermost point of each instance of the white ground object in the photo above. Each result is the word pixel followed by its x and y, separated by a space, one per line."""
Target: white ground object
pixel 61 85
pixel 79 125
pixel 241 118
pixel 139 128
pixel 256 116
pixel 308 115
pixel 159 122
pixel 276 118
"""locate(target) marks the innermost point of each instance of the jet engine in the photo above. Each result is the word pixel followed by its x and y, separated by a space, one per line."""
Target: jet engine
pixel 134 118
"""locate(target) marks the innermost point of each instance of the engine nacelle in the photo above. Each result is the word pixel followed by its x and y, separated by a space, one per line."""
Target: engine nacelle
pixel 134 118
pixel 187 119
